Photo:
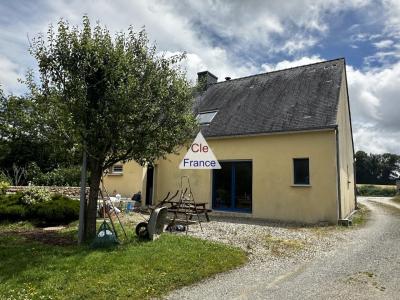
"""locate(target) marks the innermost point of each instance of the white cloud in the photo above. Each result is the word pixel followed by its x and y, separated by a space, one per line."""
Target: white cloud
pixel 285 64
pixel 384 58
pixel 369 138
pixel 359 37
pixel 247 29
pixel 383 44
pixel 298 43
pixel 392 16
pixel 259 29
pixel 216 62
pixel 375 108
pixel 9 74
pixel 172 33
pixel 374 94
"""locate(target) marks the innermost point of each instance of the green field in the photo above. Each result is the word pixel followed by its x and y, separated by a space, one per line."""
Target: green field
pixel 378 185
pixel 376 190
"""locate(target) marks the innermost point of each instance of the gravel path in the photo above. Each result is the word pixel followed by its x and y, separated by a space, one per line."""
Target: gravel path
pixel 384 200
pixel 331 263
pixel 265 241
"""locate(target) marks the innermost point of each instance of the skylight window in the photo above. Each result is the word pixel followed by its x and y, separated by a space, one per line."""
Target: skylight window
pixel 205 118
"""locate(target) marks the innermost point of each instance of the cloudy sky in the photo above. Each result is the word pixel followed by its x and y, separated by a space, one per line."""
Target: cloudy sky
pixel 238 38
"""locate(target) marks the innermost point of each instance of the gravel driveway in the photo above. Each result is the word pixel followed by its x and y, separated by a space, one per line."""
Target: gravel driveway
pixel 329 263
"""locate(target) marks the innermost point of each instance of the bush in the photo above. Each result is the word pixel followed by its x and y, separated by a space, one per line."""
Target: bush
pixel 11 199
pixel 5 178
pixel 58 210
pixel 35 195
pixel 4 187
pixel 58 177
pixel 13 213
pixel 11 208
pixel 371 190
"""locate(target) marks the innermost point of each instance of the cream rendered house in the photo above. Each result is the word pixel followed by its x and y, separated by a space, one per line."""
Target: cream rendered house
pixel 284 142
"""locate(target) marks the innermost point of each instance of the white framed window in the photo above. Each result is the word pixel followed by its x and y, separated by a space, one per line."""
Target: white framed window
pixel 206 117
pixel 117 169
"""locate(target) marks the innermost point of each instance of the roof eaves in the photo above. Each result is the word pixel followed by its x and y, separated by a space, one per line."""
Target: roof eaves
pixel 300 130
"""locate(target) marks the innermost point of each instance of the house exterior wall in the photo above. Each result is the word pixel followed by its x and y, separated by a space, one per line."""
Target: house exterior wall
pixel 346 155
pixel 127 183
pixel 274 196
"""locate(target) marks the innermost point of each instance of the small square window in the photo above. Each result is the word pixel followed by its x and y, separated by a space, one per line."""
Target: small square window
pixel 301 171
pixel 117 169
pixel 206 117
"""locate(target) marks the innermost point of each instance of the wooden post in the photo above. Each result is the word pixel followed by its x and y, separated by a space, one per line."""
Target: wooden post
pixel 82 200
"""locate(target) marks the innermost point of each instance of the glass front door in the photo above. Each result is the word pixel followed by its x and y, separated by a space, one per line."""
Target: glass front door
pixel 232 186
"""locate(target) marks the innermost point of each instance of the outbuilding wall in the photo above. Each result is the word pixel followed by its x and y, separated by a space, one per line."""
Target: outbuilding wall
pixel 127 183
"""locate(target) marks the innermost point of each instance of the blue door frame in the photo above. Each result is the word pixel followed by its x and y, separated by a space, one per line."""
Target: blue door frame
pixel 233 188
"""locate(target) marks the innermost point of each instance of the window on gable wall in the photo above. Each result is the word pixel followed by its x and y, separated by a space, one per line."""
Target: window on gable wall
pixel 301 171
pixel 117 169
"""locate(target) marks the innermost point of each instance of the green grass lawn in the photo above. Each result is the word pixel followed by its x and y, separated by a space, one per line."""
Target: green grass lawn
pixel 138 270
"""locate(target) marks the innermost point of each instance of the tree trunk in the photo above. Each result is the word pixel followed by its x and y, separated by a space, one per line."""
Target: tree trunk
pixel 82 199
pixel 96 172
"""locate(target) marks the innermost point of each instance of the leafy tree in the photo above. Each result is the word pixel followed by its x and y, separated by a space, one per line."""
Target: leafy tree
pixel 116 98
pixel 15 130
pixel 21 141
pixel 362 168
pixel 377 168
pixel 390 164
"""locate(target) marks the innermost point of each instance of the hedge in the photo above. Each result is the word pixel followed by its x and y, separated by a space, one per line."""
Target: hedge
pixel 371 190
pixel 59 210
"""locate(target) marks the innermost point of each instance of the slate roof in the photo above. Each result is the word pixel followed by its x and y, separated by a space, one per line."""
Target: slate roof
pixel 300 98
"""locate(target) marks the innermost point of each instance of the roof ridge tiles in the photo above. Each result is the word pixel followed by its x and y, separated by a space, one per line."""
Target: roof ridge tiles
pixel 281 70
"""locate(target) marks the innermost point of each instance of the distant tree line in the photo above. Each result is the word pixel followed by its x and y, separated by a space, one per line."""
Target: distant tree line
pixel 377 168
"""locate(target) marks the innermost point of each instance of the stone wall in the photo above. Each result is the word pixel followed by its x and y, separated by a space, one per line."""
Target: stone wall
pixel 70 191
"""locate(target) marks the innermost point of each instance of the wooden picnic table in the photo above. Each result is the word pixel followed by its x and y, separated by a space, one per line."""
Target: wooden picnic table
pixel 190 208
